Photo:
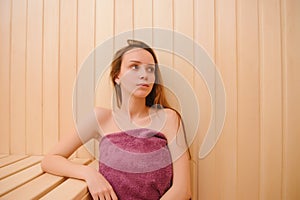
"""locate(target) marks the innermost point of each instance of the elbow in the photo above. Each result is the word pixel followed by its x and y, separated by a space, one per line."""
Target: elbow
pixel 183 193
pixel 186 192
pixel 187 195
pixel 44 164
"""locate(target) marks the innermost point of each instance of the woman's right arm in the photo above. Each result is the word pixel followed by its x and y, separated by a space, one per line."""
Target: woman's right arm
pixel 56 162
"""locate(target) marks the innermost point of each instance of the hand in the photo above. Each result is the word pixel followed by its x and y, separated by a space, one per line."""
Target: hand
pixel 98 186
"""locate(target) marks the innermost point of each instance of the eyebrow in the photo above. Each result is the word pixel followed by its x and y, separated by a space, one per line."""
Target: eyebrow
pixel 137 61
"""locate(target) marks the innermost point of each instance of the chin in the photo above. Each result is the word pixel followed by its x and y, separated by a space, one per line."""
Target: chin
pixel 140 94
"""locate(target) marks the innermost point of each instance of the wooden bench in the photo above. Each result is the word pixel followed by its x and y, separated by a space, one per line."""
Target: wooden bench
pixel 21 177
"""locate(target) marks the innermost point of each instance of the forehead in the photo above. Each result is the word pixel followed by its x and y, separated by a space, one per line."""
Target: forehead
pixel 138 54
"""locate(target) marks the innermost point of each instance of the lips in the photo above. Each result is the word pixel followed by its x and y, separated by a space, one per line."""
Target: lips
pixel 143 85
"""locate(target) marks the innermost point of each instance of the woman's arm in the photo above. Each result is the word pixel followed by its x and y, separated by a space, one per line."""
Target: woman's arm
pixel 56 162
pixel 180 188
pixel 181 180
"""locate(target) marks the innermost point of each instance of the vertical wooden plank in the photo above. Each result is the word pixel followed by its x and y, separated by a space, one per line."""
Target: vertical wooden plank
pixel 67 63
pixel 271 100
pixel 248 104
pixel 248 171
pixel 163 19
pixel 142 18
pixel 226 149
pixel 104 31
pixel 183 23
pixel 5 35
pixel 85 40
pixel 163 14
pixel 205 37
pixel 183 13
pixel 50 74
pixel 18 77
pixel 104 20
pixel 34 78
pixel 291 98
pixel 123 22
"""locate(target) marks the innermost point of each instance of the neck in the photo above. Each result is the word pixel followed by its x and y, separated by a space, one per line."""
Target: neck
pixel 135 107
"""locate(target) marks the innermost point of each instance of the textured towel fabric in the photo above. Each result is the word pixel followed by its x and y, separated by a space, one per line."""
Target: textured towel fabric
pixel 137 163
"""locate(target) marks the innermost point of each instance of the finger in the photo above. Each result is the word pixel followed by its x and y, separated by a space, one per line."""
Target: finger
pixel 107 196
pixel 94 196
pixel 113 195
pixel 101 197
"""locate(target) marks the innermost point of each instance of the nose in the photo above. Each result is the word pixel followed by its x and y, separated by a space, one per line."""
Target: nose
pixel 143 73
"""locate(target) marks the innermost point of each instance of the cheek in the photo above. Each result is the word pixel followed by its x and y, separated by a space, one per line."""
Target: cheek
pixel 128 77
pixel 152 78
pixel 128 81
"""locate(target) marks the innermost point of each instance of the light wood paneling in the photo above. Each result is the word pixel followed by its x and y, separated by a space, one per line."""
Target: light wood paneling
pixel 248 127
pixel 205 36
pixel 142 18
pixel 183 13
pixel 68 63
pixel 18 77
pixel 163 19
pixel 104 32
pixel 226 56
pixel 34 56
pixel 291 111
pixel 85 61
pixel 5 39
pixel 255 45
pixel 271 100
pixel 50 74
pixel 123 22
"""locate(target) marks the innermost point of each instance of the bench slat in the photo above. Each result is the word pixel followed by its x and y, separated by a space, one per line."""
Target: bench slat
pixel 35 188
pixel 39 186
pixel 19 178
pixel 3 155
pixel 11 159
pixel 70 189
pixel 19 165
pixel 87 196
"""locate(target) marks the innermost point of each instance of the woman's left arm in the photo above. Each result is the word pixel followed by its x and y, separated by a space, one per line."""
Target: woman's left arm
pixel 181 186
pixel 180 189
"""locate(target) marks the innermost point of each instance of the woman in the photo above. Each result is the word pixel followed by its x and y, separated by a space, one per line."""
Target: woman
pixel 140 152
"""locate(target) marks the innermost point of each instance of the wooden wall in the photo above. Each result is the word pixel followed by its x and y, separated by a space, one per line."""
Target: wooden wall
pixel 254 43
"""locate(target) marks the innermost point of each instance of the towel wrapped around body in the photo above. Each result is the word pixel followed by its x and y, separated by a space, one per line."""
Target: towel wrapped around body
pixel 137 163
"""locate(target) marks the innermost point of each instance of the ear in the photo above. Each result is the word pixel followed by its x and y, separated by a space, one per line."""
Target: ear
pixel 117 81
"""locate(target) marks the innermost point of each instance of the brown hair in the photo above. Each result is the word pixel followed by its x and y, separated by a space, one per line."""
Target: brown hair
pixel 157 95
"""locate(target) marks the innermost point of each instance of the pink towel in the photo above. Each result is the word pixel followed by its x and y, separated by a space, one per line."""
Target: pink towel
pixel 137 163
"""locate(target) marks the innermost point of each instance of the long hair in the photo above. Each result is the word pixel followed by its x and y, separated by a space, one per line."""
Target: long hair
pixel 157 95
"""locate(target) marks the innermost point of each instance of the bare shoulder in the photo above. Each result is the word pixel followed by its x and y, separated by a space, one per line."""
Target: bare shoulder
pixel 172 123
pixel 173 117
pixel 102 114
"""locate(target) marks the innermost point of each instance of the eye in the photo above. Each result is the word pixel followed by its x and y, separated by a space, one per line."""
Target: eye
pixel 150 69
pixel 134 67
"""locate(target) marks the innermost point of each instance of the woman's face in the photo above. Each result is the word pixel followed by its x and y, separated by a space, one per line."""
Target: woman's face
pixel 137 74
